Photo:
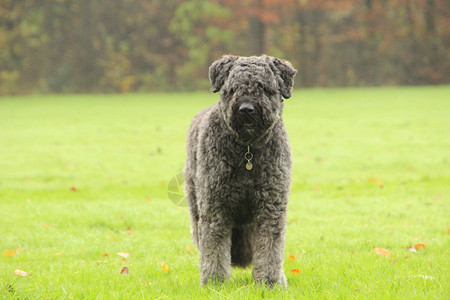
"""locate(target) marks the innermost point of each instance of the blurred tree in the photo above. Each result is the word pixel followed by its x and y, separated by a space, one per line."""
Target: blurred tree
pixel 138 45
pixel 201 25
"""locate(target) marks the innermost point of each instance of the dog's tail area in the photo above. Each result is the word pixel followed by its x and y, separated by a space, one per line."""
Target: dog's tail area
pixel 241 248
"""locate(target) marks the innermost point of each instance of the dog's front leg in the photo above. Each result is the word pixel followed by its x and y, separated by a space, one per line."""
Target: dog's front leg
pixel 268 246
pixel 215 249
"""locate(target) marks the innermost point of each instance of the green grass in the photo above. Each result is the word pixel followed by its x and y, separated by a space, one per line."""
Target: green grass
pixel 371 170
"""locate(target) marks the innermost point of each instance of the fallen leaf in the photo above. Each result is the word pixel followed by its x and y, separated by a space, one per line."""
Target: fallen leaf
pixel 125 270
pixel 418 246
pixel 148 199
pixel 73 189
pixel 382 251
pixel 58 253
pixel 375 180
pixel 296 271
pixel 291 257
pixel 9 253
pixel 165 267
pixel 412 249
pixel 105 254
pixel 20 273
pixel 123 254
pixel 190 249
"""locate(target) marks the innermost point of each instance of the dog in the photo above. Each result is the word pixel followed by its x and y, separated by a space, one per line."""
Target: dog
pixel 238 170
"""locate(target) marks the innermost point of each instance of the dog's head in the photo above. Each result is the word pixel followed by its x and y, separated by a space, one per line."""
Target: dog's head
pixel 252 91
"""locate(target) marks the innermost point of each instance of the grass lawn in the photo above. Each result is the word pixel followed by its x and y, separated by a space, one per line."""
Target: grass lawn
pixel 84 177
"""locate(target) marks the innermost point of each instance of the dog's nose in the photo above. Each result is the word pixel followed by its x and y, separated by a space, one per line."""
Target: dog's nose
pixel 246 107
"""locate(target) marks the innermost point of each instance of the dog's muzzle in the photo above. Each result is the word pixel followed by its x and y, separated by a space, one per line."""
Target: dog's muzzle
pixel 246 112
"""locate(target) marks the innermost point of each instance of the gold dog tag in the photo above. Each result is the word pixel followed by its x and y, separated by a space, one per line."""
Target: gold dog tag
pixel 249 166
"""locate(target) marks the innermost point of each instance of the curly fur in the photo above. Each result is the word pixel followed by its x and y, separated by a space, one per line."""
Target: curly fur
pixel 238 216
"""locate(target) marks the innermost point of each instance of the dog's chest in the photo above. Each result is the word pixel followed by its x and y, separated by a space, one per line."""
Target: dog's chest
pixel 244 208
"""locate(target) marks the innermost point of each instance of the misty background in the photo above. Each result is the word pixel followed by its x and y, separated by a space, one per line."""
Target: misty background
pixel 117 46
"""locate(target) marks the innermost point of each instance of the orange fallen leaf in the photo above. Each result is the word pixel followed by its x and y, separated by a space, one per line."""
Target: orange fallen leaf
pixel 296 271
pixel 375 180
pixel 418 246
pixel 73 189
pixel 9 253
pixel 148 199
pixel 105 254
pixel 165 267
pixel 382 251
pixel 123 254
pixel 291 257
pixel 18 272
pixel 125 270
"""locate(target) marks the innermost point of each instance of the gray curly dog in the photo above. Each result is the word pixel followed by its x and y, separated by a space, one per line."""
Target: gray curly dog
pixel 238 170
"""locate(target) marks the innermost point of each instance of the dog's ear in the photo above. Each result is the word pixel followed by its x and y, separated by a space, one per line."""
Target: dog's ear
pixel 219 71
pixel 285 75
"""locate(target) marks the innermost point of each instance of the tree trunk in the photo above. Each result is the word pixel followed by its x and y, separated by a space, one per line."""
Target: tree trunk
pixel 256 36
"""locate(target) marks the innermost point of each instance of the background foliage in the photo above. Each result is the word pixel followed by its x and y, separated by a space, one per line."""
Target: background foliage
pixel 139 45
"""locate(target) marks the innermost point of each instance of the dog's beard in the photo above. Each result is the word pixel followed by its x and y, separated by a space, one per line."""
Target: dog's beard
pixel 248 126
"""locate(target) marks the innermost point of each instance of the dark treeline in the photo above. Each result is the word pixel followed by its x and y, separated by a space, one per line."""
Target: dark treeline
pixel 159 45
